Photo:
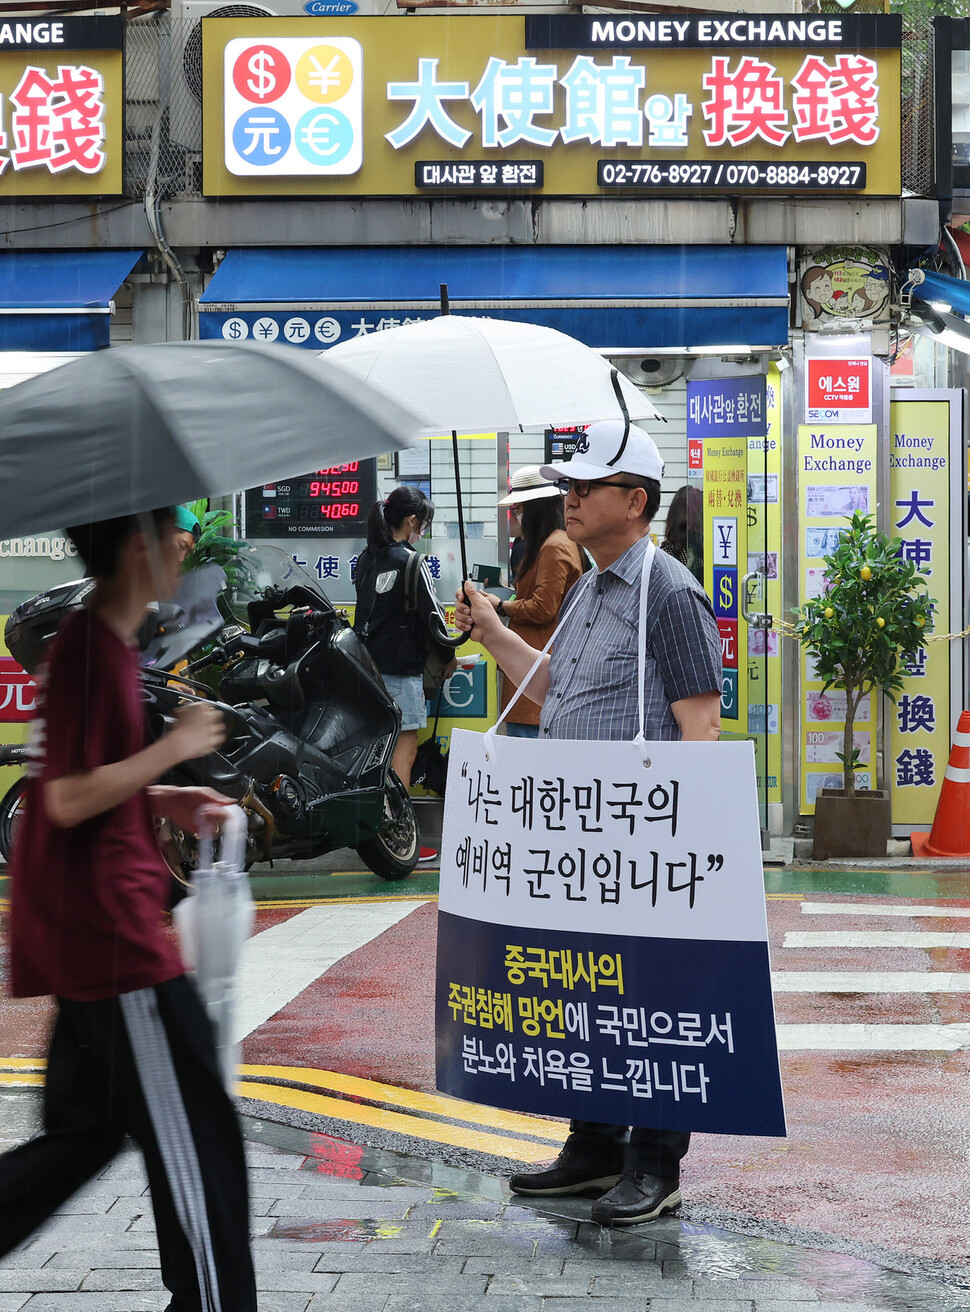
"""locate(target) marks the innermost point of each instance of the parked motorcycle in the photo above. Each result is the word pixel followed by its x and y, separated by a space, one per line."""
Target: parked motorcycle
pixel 312 728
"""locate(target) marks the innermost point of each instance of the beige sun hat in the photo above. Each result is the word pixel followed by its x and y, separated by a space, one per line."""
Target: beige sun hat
pixel 527 484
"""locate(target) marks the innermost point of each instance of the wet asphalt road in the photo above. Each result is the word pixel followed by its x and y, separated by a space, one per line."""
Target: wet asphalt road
pixel 876 1167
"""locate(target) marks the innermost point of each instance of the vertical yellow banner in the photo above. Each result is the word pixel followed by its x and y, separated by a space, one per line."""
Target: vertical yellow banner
pixel 763 518
pixel 725 558
pixel 919 475
pixel 836 478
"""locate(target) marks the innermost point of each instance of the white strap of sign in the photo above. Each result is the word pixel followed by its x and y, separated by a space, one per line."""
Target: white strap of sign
pixel 580 591
pixel 648 556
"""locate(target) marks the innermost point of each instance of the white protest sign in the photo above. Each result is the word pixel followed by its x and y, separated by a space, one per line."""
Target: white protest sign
pixel 602 945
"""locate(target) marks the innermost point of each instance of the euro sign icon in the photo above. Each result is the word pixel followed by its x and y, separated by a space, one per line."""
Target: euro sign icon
pixel 263 79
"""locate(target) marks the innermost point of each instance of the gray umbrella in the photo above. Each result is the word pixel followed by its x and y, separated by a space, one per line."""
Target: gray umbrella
pixel 132 428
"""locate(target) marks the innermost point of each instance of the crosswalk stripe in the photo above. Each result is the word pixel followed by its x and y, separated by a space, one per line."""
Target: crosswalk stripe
pixel 873 1038
pixel 278 963
pixel 878 909
pixel 874 938
pixel 869 981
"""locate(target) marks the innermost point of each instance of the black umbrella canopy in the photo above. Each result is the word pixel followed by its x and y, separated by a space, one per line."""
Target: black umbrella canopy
pixel 128 429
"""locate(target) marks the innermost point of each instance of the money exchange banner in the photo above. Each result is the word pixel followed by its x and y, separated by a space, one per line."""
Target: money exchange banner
pixel 602 940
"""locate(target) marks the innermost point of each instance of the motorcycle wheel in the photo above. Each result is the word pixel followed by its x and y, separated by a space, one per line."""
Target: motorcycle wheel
pixel 393 853
pixel 10 809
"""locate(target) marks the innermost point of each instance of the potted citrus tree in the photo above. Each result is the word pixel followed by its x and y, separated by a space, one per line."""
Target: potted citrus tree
pixel 874 612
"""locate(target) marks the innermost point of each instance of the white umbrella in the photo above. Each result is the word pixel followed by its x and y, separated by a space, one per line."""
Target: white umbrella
pixel 213 921
pixel 124 430
pixel 477 375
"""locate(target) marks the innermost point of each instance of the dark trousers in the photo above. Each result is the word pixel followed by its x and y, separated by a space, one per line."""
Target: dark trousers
pixel 647 1152
pixel 143 1064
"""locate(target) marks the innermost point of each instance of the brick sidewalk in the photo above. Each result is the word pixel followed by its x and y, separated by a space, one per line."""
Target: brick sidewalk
pixel 412 1236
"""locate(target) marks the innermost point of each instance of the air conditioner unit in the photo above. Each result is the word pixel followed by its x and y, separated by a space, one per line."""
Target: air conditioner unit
pixel 185 94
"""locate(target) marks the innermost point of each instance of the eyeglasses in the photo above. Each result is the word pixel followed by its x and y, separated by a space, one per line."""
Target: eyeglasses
pixel 583 487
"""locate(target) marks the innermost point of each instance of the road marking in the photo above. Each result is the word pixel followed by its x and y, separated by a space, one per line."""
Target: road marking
pixel 877 909
pixel 20 1072
pixel 873 1038
pixel 869 981
pixel 415 1127
pixel 434 1104
pixel 874 938
pixel 280 962
pixel 300 903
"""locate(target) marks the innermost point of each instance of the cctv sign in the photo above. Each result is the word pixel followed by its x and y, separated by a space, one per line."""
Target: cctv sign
pixel 838 391
pixel 294 106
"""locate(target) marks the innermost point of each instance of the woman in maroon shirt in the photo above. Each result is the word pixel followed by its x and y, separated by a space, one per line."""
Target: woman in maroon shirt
pixel 132 1049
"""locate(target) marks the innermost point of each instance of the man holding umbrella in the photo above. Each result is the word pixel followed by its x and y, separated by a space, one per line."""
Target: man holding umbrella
pixel 132 1049
pixel 587 689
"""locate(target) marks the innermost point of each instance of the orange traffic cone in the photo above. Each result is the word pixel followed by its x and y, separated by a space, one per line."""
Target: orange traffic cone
pixel 950 835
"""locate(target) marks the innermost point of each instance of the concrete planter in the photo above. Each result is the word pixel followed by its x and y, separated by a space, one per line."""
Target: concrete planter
pixel 852 826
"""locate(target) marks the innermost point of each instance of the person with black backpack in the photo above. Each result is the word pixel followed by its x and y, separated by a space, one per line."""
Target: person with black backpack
pixel 398 616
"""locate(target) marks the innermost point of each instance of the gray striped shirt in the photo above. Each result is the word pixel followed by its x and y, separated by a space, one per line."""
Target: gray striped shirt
pixel 593 665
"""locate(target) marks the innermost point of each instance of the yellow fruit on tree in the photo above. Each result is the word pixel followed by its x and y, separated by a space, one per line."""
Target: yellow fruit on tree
pixel 865 573
pixel 880 621
pixel 829 612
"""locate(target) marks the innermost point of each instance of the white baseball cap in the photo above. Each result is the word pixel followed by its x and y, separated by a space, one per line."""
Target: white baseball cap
pixel 610 447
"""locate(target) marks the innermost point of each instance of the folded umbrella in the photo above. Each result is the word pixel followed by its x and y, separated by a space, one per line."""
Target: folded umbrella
pixel 213 921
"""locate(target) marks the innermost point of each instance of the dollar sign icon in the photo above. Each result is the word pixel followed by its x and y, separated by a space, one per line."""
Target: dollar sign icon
pixel 234 330
pixel 260 73
pixel 262 77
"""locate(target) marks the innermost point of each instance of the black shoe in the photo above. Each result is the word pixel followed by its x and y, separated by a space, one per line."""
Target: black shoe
pixel 567 1175
pixel 636 1198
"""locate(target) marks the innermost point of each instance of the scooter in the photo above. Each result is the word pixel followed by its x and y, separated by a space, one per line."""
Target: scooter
pixel 311 726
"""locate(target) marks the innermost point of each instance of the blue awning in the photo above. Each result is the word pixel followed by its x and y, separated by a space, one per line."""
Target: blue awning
pixel 59 300
pixel 620 298
pixel 953 292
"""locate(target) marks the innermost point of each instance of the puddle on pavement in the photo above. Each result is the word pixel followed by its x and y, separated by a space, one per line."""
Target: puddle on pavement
pixel 346 1231
pixel 707 1250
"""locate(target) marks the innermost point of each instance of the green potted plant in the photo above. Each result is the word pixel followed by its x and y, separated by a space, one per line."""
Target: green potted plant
pixel 874 612
pixel 213 545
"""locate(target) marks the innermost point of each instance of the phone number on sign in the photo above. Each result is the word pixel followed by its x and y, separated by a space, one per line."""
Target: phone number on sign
pixel 754 175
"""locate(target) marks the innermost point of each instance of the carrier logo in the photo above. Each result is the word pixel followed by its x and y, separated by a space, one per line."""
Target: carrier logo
pixel 331 8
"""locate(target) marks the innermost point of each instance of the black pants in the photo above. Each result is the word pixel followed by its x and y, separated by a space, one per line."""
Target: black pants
pixel 647 1152
pixel 143 1064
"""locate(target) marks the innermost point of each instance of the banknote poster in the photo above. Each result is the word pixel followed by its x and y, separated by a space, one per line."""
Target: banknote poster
pixel 920 474
pixel 836 478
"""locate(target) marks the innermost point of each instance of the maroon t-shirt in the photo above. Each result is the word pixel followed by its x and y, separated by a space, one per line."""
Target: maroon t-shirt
pixel 87 903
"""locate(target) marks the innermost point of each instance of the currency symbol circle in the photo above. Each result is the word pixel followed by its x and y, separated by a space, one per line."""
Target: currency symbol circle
pixel 324 74
pixel 235 330
pixel 324 136
pixel 261 137
pixel 261 74
pixel 266 329
pixel 327 330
